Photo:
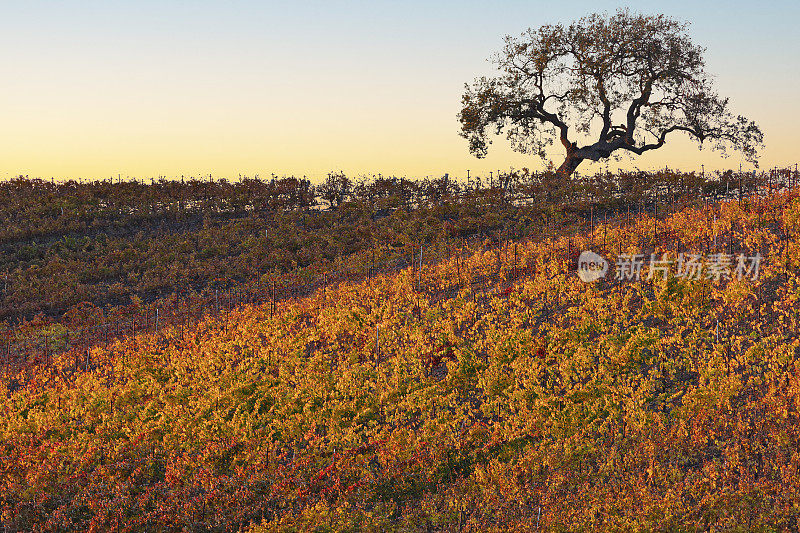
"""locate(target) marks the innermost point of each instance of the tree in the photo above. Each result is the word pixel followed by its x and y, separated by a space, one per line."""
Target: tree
pixel 336 189
pixel 625 82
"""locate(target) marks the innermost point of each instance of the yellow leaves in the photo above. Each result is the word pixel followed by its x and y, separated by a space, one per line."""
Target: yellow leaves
pixel 557 391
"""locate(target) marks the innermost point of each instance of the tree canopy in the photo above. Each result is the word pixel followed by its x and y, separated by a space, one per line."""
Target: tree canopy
pixel 622 83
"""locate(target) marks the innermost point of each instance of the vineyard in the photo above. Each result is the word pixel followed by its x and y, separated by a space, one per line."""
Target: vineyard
pixel 74 252
pixel 101 260
pixel 489 390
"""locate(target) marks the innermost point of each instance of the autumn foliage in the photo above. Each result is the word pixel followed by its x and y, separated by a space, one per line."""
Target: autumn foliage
pixel 533 401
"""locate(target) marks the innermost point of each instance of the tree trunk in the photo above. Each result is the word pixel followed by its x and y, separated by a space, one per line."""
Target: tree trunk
pixel 569 166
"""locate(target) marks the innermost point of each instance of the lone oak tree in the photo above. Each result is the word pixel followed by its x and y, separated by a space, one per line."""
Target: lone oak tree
pixel 634 78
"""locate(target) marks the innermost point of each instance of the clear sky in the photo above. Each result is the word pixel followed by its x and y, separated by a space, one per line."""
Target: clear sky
pixel 93 89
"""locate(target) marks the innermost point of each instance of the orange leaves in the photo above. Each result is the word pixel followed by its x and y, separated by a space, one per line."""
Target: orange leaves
pixel 625 392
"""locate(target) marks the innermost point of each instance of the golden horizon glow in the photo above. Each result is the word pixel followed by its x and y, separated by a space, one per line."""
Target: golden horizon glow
pixel 115 91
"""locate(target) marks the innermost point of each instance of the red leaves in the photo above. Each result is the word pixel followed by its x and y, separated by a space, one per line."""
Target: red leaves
pixel 445 351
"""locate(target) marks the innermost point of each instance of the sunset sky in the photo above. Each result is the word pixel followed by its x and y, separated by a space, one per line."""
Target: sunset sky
pixel 145 88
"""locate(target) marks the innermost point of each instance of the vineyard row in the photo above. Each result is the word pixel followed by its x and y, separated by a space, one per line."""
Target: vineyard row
pixel 39 349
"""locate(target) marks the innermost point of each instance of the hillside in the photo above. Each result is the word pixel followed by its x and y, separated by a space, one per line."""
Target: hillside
pixel 111 244
pixel 80 252
pixel 422 401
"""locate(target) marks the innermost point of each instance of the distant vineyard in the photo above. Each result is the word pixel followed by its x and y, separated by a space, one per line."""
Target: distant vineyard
pixel 32 345
pixel 493 212
pixel 488 391
pixel 65 247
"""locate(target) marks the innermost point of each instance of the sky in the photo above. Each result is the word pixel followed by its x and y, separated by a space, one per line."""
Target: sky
pixel 145 89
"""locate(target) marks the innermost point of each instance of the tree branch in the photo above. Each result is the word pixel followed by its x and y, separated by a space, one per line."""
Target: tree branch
pixel 639 150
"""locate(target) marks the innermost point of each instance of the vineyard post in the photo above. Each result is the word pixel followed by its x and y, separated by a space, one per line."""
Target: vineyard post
pixel 569 251
pixel 458 266
pixel 228 311
pixel 769 179
pixel 784 234
pixel 514 274
pixel 419 271
pixel 740 185
pixel 88 360
pixel 655 231
pixel 714 229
